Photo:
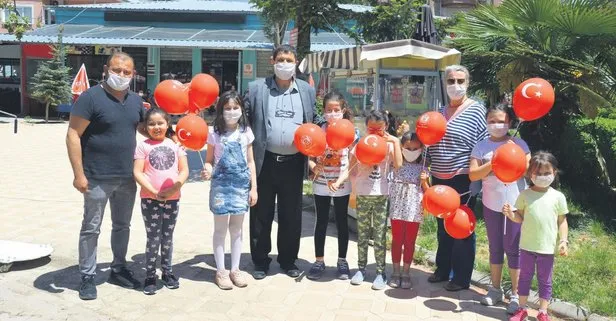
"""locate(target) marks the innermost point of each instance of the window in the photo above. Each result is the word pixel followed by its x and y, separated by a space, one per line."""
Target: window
pixel 32 66
pixel 24 11
pixel 9 71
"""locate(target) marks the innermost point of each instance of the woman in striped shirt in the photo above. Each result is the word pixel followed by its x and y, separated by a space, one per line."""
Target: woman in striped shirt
pixel 450 158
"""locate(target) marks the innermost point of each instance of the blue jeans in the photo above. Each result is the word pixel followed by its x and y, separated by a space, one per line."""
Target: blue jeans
pixel 120 192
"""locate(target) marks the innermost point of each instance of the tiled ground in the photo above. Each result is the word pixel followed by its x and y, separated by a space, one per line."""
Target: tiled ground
pixel 40 205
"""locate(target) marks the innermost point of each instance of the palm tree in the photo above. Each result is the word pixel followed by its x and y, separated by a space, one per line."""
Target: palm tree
pixel 570 43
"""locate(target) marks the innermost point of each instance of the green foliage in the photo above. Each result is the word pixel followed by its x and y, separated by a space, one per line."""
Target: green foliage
pixel 588 163
pixel 51 85
pixel 308 16
pixel 394 21
pixel 14 23
pixel 319 105
pixel 570 43
pixel 443 26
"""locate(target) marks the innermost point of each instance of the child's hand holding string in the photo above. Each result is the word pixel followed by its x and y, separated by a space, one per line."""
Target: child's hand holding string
pixel 563 248
pixel 206 173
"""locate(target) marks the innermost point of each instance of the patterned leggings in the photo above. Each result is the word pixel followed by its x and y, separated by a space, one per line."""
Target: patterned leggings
pixel 372 218
pixel 159 218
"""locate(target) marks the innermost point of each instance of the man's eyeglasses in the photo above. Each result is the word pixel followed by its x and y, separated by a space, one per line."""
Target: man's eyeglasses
pixel 452 81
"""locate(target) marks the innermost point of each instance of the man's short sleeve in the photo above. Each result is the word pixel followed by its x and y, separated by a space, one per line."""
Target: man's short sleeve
pixel 84 106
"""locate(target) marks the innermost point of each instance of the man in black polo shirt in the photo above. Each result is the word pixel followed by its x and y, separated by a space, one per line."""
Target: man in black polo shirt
pixel 101 142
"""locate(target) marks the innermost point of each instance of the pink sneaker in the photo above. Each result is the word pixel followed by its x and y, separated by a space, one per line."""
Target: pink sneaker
pixel 543 317
pixel 519 315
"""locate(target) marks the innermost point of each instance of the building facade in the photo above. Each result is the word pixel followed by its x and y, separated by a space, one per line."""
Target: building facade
pixel 168 40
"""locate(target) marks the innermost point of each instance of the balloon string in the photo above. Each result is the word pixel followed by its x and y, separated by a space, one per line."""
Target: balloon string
pixel 425 156
pixel 505 220
pixel 201 158
pixel 517 129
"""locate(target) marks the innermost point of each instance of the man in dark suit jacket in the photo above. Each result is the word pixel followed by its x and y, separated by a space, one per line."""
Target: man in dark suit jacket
pixel 276 107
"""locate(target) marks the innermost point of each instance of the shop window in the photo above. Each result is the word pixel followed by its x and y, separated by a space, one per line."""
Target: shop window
pixel 264 67
pixel 9 71
pixel 32 66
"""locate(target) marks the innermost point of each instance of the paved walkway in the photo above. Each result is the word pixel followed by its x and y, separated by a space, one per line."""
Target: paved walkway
pixel 40 206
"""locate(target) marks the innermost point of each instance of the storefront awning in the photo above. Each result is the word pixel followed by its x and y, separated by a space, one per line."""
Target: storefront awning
pixel 349 58
pixel 145 36
pixel 346 58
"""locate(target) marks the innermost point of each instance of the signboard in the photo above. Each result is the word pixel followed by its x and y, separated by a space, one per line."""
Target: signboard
pixel 248 71
pixel 293 37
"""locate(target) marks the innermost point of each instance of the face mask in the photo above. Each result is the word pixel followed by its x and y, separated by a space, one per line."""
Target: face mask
pixel 284 70
pixel 542 181
pixel 411 155
pixel 117 82
pixel 232 116
pixel 498 130
pixel 333 116
pixel 456 92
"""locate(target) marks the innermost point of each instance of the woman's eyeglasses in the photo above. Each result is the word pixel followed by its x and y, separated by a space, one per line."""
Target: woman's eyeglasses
pixel 452 81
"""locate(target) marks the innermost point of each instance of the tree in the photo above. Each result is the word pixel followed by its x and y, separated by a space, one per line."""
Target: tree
pixel 51 85
pixel 570 43
pixel 392 20
pixel 309 16
pixel 14 23
pixel 276 16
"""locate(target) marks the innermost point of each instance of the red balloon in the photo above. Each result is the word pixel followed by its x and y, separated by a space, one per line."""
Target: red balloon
pixel 203 91
pixel 310 140
pixel 509 162
pixel 533 99
pixel 441 201
pixel 192 132
pixel 371 150
pixel 461 224
pixel 430 127
pixel 172 96
pixel 340 134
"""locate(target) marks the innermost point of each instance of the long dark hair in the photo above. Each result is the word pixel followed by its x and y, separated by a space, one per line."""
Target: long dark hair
pixel 155 110
pixel 376 116
pixel 335 95
pixel 220 127
pixel 538 160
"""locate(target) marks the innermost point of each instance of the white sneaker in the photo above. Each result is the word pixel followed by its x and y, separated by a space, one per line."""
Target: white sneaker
pixel 514 304
pixel 493 297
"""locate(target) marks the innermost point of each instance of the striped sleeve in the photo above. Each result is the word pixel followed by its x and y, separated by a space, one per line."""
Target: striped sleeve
pixel 451 156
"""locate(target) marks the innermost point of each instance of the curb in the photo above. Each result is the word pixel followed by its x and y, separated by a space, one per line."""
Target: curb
pixel 562 309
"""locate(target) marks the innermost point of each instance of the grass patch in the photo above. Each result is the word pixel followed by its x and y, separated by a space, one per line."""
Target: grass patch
pixel 586 277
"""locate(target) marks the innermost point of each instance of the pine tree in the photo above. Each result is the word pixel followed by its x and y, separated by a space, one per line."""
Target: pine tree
pixel 51 85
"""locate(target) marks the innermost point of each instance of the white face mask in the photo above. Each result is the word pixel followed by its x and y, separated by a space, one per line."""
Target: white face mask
pixel 542 181
pixel 456 92
pixel 284 70
pixel 498 130
pixel 117 82
pixel 411 155
pixel 333 116
pixel 232 116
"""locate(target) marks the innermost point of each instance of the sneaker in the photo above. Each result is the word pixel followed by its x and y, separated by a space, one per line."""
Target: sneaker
pixel 542 316
pixel 223 281
pixel 394 282
pixel 519 315
pixel 405 282
pixel 343 269
pixel 316 271
pixel 171 281
pixel 124 278
pixel 237 277
pixel 379 282
pixel 493 297
pixel 149 287
pixel 514 304
pixel 358 278
pixel 87 289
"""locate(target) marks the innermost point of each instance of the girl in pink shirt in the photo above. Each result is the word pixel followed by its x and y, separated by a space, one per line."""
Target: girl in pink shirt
pixel 161 168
